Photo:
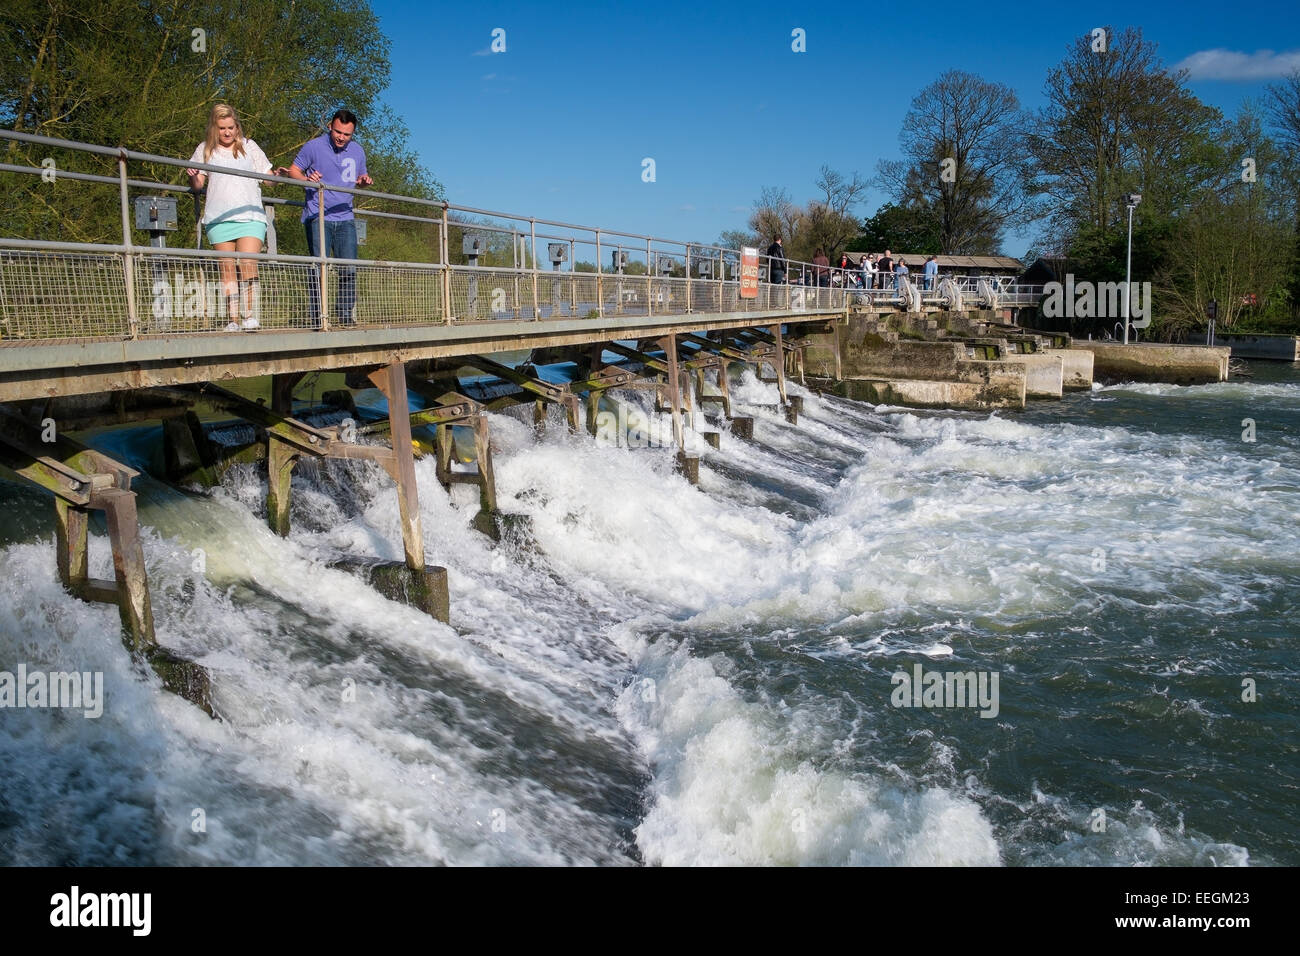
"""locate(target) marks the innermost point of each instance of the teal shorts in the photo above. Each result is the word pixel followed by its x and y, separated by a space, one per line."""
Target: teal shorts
pixel 230 231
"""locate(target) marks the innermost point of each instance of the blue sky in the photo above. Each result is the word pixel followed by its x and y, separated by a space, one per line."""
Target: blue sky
pixel 558 125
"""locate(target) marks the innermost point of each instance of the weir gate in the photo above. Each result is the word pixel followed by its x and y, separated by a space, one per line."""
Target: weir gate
pixel 94 334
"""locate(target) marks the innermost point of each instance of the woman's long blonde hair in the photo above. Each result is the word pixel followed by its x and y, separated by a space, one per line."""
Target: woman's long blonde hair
pixel 220 112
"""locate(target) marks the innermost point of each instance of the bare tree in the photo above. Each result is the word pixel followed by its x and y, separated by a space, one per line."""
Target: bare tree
pixel 775 214
pixel 962 144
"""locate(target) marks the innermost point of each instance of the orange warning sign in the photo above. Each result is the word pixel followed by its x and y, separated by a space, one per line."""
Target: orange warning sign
pixel 748 273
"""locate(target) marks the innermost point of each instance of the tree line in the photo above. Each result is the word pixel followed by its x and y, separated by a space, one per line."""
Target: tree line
pixel 145 75
pixel 1218 220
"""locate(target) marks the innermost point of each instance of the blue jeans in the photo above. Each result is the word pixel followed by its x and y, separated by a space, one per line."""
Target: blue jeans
pixel 340 243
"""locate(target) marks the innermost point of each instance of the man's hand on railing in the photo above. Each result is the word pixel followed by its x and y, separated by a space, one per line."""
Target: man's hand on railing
pixel 293 172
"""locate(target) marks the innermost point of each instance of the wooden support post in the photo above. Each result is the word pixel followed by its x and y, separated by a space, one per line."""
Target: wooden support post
pixel 487 479
pixel 282 386
pixel 742 427
pixel 539 417
pixel 779 364
pixel 724 388
pixel 713 438
pixel 445 448
pixel 280 459
pixel 392 382
pixel 72 525
pixel 118 506
pixel 572 410
pixel 187 456
pixel 689 467
pixel 593 407
pixel 669 344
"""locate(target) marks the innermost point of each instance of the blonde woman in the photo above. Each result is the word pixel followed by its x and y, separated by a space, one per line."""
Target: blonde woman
pixel 232 215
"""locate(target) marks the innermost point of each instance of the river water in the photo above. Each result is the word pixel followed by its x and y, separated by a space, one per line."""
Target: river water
pixel 673 675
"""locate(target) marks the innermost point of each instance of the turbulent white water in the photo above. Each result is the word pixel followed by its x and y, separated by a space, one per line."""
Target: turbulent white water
pixel 701 675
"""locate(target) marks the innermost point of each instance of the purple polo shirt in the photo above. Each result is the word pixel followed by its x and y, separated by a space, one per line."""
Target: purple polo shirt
pixel 338 167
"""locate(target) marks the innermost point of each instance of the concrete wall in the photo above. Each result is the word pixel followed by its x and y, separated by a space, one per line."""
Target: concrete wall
pixel 914 393
pixel 1077 368
pixel 1283 348
pixel 1177 364
pixel 1044 373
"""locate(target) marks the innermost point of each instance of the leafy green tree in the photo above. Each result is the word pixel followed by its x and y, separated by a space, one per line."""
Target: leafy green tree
pixel 146 75
pixel 1116 121
pixel 912 229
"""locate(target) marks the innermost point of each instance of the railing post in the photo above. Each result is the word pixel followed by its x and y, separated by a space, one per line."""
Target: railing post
pixel 128 259
pixel 532 230
pixel 573 278
pixel 323 302
pixel 600 283
pixel 688 278
pixel 445 261
pixel 649 279
pixel 515 240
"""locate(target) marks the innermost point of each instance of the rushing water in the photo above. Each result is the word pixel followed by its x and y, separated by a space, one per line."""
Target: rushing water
pixel 677 675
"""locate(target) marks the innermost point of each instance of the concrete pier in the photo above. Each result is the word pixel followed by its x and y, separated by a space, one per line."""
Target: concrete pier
pixel 1152 362
pixel 938 374
pixel 1279 348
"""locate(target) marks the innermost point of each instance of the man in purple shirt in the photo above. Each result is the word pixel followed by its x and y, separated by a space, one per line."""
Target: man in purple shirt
pixel 336 160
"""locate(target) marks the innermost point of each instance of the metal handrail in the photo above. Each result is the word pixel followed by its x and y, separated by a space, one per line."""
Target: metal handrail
pixel 685 256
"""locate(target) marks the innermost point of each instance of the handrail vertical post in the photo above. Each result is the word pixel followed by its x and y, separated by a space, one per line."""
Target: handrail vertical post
pixel 600 285
pixel 445 261
pixel 128 259
pixel 532 231
pixel 649 278
pixel 573 277
pixel 515 240
pixel 323 301
pixel 688 277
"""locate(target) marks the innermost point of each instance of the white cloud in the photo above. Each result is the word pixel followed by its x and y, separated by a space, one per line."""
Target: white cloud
pixel 686 207
pixel 489 76
pixel 1221 64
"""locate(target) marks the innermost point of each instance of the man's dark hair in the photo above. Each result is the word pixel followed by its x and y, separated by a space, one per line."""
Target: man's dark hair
pixel 344 116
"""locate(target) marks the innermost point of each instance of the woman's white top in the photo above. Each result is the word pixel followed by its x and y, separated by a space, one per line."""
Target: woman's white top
pixel 234 198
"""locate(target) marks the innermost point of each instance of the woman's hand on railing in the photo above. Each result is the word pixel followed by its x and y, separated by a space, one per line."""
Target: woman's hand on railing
pixel 198 179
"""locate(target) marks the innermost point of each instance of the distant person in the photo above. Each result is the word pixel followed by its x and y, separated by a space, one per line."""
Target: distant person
pixel 335 159
pixel 931 273
pixel 233 217
pixel 884 269
pixel 900 274
pixel 823 265
pixel 776 262
pixel 846 270
pixel 869 271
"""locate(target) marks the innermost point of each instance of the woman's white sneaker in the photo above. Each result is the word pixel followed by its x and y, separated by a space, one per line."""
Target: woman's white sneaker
pixel 251 325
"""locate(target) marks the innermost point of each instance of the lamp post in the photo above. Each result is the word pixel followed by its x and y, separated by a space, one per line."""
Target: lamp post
pixel 1131 200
